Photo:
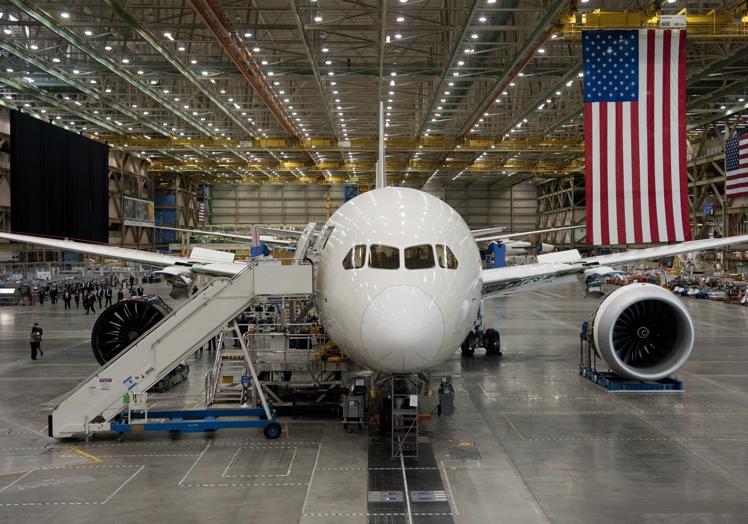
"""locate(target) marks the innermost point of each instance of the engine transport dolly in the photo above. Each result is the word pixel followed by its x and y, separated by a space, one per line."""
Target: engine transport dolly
pixel 612 382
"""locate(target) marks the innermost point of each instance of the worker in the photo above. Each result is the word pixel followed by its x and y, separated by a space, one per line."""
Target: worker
pixel 66 298
pixel 77 296
pixel 108 295
pixel 36 341
pixel 120 295
pixel 100 295
pixel 41 296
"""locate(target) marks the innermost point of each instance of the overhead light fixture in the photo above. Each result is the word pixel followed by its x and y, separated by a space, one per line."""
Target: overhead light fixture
pixel 248 35
pixel 318 18
pixel 88 32
pixel 400 19
pixel 169 36
pixel 256 50
pixel 125 60
pixel 65 15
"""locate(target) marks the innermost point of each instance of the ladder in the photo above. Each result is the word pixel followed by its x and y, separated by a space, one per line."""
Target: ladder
pixel 405 394
pixel 97 400
pixel 223 381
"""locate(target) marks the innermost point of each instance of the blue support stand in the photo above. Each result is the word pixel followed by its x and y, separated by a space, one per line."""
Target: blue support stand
pixel 197 420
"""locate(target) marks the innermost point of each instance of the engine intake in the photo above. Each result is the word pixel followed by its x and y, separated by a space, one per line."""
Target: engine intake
pixel 643 332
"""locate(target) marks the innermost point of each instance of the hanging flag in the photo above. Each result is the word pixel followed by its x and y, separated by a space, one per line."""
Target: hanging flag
pixel 736 166
pixel 635 136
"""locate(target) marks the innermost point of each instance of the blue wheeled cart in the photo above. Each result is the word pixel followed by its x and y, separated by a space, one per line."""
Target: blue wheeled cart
pixel 197 420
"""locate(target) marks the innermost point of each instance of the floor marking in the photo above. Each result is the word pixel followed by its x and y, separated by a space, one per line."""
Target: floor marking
pixel 195 463
pixel 242 484
pixel 233 457
pixel 484 391
pixel 264 475
pixel 311 479
pixel 123 484
pixel 514 427
pixel 448 488
pixel 18 479
pixel 405 489
pixel 96 460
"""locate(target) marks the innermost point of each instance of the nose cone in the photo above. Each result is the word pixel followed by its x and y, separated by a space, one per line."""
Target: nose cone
pixel 402 330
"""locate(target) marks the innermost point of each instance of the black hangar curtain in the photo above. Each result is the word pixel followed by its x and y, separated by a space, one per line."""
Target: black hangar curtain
pixel 58 181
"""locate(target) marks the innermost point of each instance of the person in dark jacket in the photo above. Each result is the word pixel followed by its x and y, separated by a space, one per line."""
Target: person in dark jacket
pixel 77 298
pixel 120 295
pixel 108 295
pixel 100 296
pixel 66 298
pixel 36 341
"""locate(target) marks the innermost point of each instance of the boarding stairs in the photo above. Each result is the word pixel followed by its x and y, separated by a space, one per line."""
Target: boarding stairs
pixel 223 382
pixel 97 400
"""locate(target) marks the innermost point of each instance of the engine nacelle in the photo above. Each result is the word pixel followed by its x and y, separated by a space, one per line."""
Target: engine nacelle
pixel 643 332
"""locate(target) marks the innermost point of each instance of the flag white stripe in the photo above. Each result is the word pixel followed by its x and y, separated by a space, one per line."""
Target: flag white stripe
pixel 628 197
pixel 674 137
pixel 731 181
pixel 611 158
pixel 596 221
pixel 643 131
pixel 737 172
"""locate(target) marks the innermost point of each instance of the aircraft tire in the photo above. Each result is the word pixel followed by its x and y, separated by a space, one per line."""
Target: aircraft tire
pixel 468 346
pixel 492 342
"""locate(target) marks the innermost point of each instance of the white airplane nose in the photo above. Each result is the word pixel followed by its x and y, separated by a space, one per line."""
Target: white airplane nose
pixel 402 329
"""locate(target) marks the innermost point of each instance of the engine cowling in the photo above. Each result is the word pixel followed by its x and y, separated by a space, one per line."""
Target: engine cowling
pixel 643 332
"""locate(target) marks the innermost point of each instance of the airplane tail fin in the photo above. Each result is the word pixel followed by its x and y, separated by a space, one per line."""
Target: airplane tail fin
pixel 381 172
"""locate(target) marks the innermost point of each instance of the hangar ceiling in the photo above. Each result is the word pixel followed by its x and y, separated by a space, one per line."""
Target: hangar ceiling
pixel 286 91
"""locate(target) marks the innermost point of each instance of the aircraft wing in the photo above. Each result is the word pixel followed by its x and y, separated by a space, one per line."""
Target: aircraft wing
pixel 556 268
pixel 244 238
pixel 203 261
pixel 506 236
pixel 101 250
pixel 487 231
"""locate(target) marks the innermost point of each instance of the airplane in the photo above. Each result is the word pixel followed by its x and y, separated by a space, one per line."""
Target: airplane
pixel 399 286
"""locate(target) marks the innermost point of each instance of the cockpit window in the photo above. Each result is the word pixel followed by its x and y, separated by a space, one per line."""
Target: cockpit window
pixel 384 257
pixel 445 257
pixel 419 257
pixel 354 259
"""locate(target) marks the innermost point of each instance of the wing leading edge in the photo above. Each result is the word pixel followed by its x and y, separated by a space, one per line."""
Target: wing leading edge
pixel 556 268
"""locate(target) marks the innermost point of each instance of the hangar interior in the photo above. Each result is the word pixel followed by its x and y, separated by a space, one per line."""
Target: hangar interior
pixel 263 117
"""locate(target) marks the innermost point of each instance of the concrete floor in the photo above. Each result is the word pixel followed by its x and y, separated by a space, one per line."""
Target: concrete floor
pixel 531 441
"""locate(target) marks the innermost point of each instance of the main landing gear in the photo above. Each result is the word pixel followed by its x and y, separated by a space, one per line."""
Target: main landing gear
pixel 488 339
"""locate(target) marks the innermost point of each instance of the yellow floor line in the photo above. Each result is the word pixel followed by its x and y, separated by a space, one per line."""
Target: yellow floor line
pixel 514 428
pixel 96 460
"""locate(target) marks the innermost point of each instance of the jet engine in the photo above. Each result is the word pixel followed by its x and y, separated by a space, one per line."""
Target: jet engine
pixel 643 332
pixel 123 323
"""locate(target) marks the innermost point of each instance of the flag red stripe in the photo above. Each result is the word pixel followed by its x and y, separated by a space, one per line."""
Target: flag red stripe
pixel 685 207
pixel 635 188
pixel 620 208
pixel 735 186
pixel 653 229
pixel 588 171
pixel 605 232
pixel 666 165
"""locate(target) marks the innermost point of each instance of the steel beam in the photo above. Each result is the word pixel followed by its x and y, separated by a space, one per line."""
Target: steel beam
pixel 219 25
pixel 449 65
pixel 536 39
pixel 47 21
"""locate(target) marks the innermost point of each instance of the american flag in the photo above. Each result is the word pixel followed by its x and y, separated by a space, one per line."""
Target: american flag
pixel 635 136
pixel 201 213
pixel 736 166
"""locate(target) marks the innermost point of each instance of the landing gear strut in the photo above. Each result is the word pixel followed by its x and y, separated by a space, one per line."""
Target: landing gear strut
pixel 489 338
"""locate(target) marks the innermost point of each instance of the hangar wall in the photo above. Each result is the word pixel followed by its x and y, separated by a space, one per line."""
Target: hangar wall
pixel 479 204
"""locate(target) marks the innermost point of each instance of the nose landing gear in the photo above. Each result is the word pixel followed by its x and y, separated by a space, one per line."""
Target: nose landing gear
pixel 488 339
